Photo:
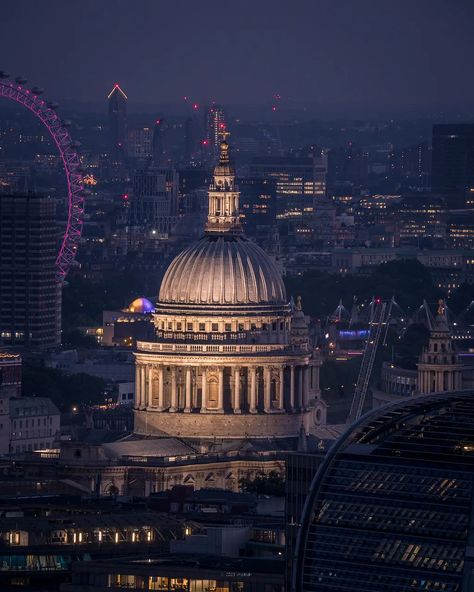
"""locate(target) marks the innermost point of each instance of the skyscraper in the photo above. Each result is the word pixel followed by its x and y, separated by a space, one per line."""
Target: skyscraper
pixel 453 162
pixel 118 123
pixel 215 124
pixel 160 131
pixel 300 181
pixel 139 146
pixel 30 296
pixel 154 205
pixel 300 193
pixel 258 207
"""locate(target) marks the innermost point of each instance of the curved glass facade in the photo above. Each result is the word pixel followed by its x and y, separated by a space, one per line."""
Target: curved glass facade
pixel 391 507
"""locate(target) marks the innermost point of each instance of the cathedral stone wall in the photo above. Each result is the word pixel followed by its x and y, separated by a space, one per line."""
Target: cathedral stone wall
pixel 123 479
pixel 197 425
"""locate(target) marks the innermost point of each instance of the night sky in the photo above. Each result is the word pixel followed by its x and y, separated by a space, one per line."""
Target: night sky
pixel 339 56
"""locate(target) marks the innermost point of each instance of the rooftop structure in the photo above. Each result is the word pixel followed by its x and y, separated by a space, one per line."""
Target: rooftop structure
pixel 390 507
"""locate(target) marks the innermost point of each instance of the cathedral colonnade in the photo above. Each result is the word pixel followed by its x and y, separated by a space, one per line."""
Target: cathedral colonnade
pixel 225 388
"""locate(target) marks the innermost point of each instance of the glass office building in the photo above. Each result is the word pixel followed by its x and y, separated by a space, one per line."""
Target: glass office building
pixel 391 508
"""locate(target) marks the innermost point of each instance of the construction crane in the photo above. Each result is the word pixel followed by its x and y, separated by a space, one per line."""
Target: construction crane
pixel 381 312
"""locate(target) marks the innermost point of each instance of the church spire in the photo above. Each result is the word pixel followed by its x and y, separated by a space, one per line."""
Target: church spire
pixel 223 216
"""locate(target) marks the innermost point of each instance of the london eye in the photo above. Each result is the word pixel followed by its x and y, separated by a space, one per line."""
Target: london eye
pixel 45 111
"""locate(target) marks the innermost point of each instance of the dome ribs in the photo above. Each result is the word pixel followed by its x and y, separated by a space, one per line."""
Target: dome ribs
pixel 223 270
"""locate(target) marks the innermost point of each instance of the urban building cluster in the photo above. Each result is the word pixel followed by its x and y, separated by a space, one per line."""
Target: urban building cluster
pixel 172 417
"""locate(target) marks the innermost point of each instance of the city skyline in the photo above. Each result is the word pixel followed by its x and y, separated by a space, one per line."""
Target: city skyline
pixel 236 296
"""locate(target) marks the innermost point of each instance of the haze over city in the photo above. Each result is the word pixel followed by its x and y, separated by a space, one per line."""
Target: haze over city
pixel 337 59
pixel 236 296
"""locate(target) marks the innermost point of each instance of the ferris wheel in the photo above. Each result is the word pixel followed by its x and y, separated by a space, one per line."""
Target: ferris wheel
pixel 45 111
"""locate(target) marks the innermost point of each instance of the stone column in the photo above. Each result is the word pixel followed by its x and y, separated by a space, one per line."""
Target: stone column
pixel 188 403
pixel 161 394
pixel 281 389
pixel 300 387
pixel 142 386
pixel 137 385
pixel 305 386
pixel 220 402
pixel 150 386
pixel 204 391
pixel 174 390
pixel 253 390
pixel 236 402
pixel 292 388
pixel 266 388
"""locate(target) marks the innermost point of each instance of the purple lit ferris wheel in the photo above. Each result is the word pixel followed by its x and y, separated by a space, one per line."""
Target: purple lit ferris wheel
pixel 45 112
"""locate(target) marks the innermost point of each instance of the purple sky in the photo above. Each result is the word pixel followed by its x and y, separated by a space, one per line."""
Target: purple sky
pixel 342 55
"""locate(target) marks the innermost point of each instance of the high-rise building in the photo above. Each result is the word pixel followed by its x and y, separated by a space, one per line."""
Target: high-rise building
pixel 412 163
pixel 390 507
pixel 453 162
pixel 258 206
pixel 140 142
pixel 160 150
pixel 215 124
pixel 118 123
pixel 30 296
pixel 191 138
pixel 300 192
pixel 347 165
pixel 154 203
pixel 299 181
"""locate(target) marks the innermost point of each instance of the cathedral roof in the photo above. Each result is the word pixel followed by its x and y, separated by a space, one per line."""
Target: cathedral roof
pixel 223 270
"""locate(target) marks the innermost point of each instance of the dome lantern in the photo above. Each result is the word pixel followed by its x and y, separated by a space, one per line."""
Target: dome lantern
pixel 223 215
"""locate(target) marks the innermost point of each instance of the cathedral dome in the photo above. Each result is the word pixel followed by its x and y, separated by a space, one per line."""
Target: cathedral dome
pixel 223 270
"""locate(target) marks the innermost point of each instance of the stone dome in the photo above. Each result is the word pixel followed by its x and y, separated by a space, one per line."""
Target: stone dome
pixel 223 270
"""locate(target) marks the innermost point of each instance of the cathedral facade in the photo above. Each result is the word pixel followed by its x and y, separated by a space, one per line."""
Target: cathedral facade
pixel 231 356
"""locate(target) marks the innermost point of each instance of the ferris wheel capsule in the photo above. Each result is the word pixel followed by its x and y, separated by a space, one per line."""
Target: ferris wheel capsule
pixel 21 80
pixel 4 74
pixel 36 90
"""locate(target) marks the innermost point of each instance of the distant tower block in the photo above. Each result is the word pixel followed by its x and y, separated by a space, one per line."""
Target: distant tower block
pixel 215 124
pixel 118 123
